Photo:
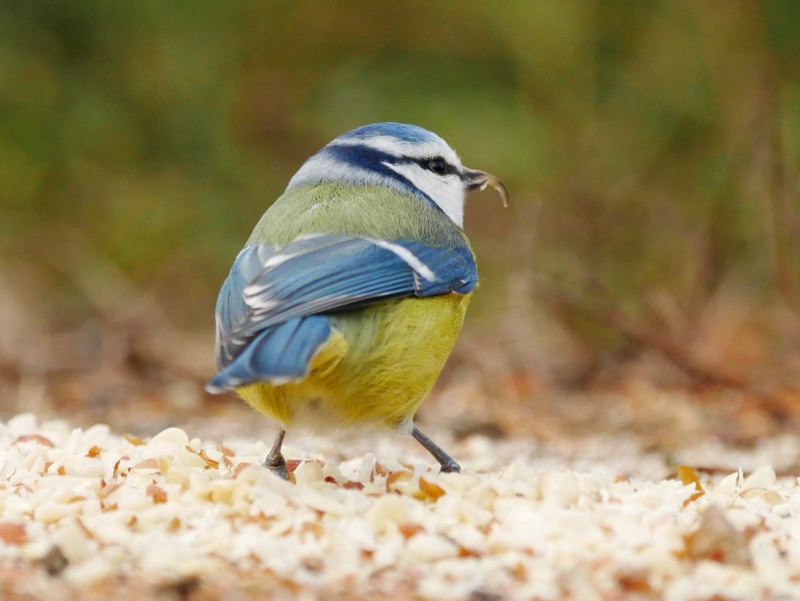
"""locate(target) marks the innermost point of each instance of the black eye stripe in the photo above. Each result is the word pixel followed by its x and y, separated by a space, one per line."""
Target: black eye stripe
pixel 437 165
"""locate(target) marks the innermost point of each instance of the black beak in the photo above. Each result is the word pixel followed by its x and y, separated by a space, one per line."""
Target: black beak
pixel 475 179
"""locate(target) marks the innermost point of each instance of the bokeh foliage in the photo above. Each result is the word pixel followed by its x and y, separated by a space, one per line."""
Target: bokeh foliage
pixel 651 148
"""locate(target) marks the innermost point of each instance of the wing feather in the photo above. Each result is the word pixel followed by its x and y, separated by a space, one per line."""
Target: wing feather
pixel 322 273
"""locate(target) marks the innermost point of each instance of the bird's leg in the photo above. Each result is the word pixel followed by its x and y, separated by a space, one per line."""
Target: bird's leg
pixel 275 461
pixel 448 463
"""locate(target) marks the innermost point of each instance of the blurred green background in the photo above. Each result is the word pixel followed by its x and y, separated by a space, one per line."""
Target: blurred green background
pixel 650 148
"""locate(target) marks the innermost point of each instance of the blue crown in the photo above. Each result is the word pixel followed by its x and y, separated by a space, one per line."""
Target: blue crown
pixel 401 131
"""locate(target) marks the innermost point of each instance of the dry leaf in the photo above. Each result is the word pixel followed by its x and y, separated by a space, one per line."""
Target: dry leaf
pixel 688 475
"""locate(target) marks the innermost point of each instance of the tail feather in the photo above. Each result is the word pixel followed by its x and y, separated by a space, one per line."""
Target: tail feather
pixel 280 354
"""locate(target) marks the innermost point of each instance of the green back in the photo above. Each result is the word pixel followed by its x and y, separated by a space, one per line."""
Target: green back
pixel 371 211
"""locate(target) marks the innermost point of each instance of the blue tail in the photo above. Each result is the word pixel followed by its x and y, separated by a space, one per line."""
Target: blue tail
pixel 279 354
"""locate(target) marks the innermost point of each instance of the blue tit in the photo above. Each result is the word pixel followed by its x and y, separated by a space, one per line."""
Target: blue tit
pixel 348 297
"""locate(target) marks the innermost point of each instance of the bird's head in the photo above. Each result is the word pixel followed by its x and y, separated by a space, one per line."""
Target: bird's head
pixel 404 157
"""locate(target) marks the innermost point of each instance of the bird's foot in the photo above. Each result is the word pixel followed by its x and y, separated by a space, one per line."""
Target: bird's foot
pixel 451 466
pixel 277 465
pixel 448 463
pixel 275 461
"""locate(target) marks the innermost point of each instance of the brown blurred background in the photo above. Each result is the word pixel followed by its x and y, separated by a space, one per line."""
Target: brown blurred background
pixel 644 279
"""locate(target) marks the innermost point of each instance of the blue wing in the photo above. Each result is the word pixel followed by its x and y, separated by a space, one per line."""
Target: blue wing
pixel 321 274
pixel 280 353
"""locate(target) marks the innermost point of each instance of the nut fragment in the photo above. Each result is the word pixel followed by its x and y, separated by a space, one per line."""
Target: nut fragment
pixel 717 539
pixel 158 494
pixel 431 489
pixel 173 508
pixel 13 534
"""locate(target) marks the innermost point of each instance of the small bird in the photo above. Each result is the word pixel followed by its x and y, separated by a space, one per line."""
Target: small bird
pixel 348 297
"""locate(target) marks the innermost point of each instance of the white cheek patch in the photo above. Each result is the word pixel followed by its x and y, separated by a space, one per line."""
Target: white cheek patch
pixel 447 192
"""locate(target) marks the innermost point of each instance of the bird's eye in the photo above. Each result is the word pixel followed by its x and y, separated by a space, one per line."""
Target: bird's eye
pixel 438 166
